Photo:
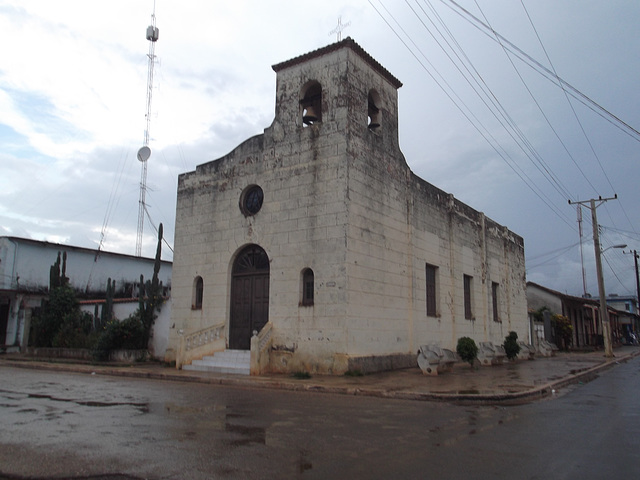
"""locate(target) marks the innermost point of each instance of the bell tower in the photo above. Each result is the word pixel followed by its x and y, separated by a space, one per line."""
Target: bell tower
pixel 338 90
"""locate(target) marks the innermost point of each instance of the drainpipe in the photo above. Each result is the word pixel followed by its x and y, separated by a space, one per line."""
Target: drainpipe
pixel 13 265
pixel 19 299
pixel 14 310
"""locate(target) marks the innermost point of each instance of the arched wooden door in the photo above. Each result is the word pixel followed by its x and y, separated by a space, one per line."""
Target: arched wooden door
pixel 249 296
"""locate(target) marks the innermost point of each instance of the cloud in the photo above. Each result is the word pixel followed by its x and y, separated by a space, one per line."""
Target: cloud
pixel 73 104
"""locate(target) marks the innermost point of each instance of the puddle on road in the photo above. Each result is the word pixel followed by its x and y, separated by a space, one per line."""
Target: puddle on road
pixel 142 407
pixel 28 410
pixel 303 462
pixel 249 434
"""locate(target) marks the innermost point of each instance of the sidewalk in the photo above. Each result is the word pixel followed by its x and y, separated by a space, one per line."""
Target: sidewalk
pixel 510 383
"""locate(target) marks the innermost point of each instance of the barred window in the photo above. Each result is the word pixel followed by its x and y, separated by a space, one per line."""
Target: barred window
pixel 431 291
pixel 198 290
pixel 307 287
pixel 468 297
pixel 495 291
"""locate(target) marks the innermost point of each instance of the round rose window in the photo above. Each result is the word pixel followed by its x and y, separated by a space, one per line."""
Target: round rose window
pixel 251 200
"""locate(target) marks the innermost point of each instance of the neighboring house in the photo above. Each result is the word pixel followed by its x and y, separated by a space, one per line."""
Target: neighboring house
pixel 628 315
pixel 24 283
pixel 582 312
pixel 317 235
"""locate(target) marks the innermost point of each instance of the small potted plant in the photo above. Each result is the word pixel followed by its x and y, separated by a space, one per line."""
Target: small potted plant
pixel 467 350
pixel 511 346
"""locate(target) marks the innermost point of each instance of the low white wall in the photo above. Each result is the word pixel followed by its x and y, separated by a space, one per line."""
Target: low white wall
pixel 160 332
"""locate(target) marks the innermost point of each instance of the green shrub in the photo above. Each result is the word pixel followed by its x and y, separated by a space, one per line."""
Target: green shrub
pixel 511 347
pixel 467 350
pixel 59 323
pixel 74 332
pixel 60 312
pixel 128 334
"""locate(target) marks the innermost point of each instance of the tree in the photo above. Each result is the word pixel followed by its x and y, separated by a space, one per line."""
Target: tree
pixel 563 329
pixel 538 315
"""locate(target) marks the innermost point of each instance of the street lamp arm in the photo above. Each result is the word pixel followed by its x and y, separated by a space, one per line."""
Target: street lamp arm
pixel 622 245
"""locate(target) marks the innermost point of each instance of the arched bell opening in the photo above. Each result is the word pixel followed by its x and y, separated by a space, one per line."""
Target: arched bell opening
pixel 311 104
pixel 374 112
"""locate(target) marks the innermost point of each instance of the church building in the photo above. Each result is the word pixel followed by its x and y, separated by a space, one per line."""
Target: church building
pixel 315 247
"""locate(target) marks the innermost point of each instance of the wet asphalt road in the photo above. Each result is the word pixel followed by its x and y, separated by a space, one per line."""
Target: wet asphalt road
pixel 60 425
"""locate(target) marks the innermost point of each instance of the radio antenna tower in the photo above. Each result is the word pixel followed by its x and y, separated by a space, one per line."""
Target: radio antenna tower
pixel 145 152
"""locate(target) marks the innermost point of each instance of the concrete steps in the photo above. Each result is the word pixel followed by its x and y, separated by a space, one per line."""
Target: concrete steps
pixel 236 362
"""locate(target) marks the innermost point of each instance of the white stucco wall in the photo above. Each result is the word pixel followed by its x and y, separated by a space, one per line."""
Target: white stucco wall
pixel 24 280
pixel 160 330
pixel 538 298
pixel 25 264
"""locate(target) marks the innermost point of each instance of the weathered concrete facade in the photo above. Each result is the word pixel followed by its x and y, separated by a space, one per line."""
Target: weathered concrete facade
pixel 340 201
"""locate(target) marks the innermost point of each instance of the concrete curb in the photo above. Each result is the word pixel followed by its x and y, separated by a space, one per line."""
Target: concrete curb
pixel 507 398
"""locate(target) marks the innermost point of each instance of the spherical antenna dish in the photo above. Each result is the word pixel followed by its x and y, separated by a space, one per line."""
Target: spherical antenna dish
pixel 144 153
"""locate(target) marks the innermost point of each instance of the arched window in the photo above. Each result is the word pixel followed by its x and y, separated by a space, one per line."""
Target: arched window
pixel 373 110
pixel 307 287
pixel 198 290
pixel 311 104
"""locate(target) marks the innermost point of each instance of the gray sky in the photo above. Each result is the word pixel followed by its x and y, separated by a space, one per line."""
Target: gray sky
pixel 73 80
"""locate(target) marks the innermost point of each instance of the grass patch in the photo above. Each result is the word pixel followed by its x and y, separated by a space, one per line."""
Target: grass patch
pixel 353 373
pixel 302 375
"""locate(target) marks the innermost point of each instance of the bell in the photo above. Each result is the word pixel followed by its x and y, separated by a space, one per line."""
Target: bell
pixel 374 116
pixel 309 115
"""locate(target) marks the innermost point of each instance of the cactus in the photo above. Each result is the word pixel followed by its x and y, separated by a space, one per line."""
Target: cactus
pixel 149 303
pixel 107 308
pixel 58 272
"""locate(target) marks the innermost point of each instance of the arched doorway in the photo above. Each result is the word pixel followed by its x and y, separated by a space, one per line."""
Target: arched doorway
pixel 249 296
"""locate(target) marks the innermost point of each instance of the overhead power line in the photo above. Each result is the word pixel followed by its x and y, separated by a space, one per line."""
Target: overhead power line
pixel 529 60
pixel 496 110
pixel 595 154
pixel 490 99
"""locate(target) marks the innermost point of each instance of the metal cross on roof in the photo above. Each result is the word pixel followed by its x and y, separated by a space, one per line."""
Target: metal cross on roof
pixel 339 28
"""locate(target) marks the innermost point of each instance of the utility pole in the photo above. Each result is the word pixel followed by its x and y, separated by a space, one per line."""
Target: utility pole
pixel 603 312
pixel 635 258
pixel 584 275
